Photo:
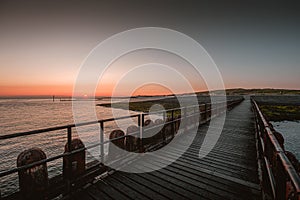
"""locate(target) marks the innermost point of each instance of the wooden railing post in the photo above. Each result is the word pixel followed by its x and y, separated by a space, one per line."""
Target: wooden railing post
pixel 185 119
pixel 117 140
pixel 280 179
pixel 69 172
pixel 173 123
pixel 205 112
pixel 74 164
pixel 33 181
pixel 141 123
pixel 101 142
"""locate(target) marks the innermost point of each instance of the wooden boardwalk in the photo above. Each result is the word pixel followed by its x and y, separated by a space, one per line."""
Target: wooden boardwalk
pixel 229 171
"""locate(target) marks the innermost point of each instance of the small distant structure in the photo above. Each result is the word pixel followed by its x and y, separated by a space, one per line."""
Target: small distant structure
pixel 53 98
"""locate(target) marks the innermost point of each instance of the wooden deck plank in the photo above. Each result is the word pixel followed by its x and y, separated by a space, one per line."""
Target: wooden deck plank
pixel 170 183
pixel 211 161
pixel 125 187
pixel 195 169
pixel 153 185
pixel 191 184
pixel 110 190
pixel 147 191
pixel 212 180
pixel 97 194
pixel 220 163
pixel 177 184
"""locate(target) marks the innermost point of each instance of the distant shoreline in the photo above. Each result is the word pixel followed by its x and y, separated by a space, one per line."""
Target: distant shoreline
pixel 232 91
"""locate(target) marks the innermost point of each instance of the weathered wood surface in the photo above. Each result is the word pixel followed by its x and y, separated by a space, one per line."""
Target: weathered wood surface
pixel 229 171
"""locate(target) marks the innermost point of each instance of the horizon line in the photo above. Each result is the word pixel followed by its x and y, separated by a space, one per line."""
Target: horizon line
pixel 145 95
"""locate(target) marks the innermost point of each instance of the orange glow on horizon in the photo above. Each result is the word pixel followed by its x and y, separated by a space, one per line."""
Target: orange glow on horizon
pixel 67 90
pixel 102 90
pixel 152 89
pixel 33 90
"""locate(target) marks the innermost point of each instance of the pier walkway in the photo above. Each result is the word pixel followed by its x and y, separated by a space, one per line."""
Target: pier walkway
pixel 229 171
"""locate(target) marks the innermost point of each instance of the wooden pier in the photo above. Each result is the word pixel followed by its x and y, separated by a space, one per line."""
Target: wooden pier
pixel 246 162
pixel 229 171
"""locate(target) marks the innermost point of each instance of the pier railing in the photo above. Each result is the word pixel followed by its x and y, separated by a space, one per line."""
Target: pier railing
pixel 171 118
pixel 279 178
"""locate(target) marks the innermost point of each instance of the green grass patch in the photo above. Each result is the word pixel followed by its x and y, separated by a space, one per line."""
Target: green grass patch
pixel 145 105
pixel 281 112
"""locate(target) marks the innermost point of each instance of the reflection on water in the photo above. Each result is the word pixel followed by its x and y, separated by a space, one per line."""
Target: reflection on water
pixel 21 115
pixel 291 134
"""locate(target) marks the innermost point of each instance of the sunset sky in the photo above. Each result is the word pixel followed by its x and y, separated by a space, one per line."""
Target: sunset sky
pixel 43 43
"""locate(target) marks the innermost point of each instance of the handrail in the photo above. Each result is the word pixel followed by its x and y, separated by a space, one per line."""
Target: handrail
pixel 102 142
pixel 9 136
pixel 279 178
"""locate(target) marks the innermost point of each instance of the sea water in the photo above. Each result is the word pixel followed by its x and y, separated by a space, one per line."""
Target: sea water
pixel 21 115
pixel 290 131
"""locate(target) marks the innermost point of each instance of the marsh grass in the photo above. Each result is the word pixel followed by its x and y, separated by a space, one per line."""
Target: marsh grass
pixel 144 106
pixel 281 112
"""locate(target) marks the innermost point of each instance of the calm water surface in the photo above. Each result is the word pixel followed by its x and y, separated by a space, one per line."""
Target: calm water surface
pixel 290 132
pixel 21 115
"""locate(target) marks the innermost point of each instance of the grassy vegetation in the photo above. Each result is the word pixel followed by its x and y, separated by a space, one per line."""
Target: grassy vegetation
pixel 281 112
pixel 145 105
pixel 266 91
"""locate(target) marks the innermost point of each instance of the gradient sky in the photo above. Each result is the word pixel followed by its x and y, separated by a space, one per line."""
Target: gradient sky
pixel 43 43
